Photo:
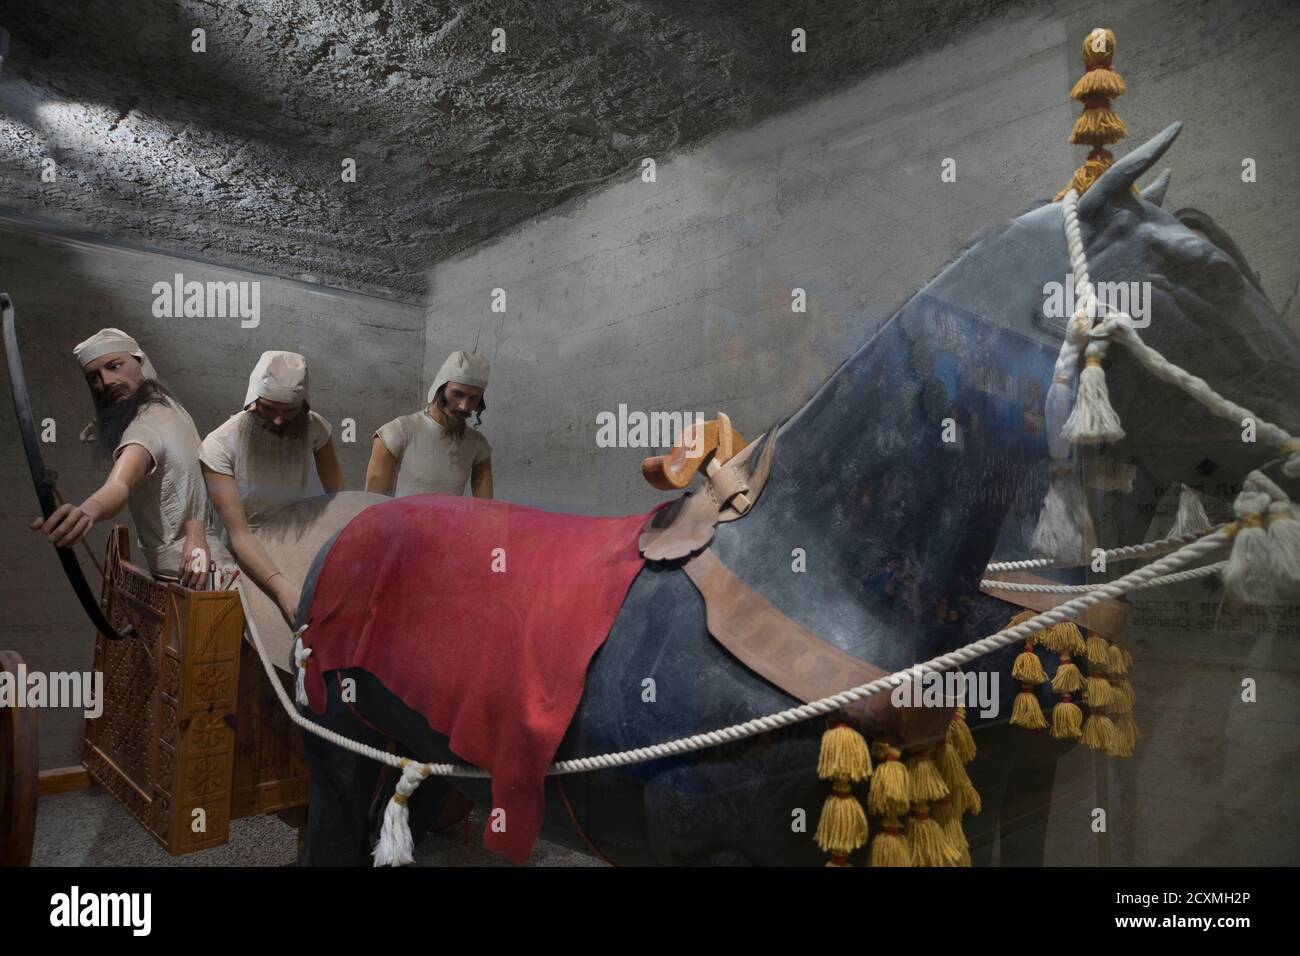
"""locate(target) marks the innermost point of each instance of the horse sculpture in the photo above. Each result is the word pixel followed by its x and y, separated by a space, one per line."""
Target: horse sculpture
pixel 897 525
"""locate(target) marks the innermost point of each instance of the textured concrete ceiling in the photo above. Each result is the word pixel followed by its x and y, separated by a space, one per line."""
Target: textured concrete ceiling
pixel 234 154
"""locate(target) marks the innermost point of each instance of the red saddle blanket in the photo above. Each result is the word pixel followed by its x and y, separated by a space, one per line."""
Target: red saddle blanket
pixel 482 616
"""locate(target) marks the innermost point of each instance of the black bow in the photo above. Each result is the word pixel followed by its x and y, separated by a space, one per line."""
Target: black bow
pixel 44 491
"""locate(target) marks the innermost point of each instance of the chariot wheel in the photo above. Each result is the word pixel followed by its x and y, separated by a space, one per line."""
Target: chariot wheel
pixel 18 775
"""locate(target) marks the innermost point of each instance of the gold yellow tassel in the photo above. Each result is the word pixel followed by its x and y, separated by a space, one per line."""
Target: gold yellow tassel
pixel 890 847
pixel 1038 637
pixel 949 816
pixel 1098 692
pixel 1068 679
pixel 1119 702
pixel 1115 662
pixel 1098 125
pixel 924 782
pixel 1098 732
pixel 950 766
pixel 930 845
pixel 889 784
pixel 1099 82
pixel 1089 172
pixel 1026 711
pixel 844 754
pixel 960 737
pixel 1050 638
pixel 1126 734
pixel 1098 651
pixel 1067 639
pixel 843 824
pixel 964 798
pixel 1028 669
pixel 1067 719
pixel 1126 688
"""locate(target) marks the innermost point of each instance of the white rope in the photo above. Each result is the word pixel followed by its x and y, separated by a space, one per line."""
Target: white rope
pixel 393 760
pixel 1177 578
pixel 1007 636
pixel 1118 326
pixel 1126 553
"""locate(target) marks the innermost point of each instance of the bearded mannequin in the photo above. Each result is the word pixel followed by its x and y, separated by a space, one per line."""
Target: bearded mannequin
pixel 259 461
pixel 144 430
pixel 433 451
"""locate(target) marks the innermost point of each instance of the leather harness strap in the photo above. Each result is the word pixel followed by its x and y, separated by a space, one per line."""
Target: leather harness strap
pixel 687 523
pixel 767 641
pixel 780 649
pixel 801 663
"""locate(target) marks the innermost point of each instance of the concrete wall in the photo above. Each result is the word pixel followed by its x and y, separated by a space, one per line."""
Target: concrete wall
pixel 363 354
pixel 675 295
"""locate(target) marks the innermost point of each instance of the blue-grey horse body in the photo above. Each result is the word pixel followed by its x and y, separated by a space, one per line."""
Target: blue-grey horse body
pixel 887 496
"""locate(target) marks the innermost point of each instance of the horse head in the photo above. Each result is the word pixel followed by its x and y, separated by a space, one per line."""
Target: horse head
pixel 1206 314
pixel 893 482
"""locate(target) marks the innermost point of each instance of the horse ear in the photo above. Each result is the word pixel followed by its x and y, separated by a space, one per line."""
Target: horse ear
pixel 1120 178
pixel 1155 193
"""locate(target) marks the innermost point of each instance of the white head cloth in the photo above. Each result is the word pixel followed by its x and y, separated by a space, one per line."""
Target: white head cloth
pixel 467 368
pixel 278 377
pixel 107 341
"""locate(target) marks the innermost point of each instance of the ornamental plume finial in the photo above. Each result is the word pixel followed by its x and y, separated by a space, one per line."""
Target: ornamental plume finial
pixel 1097 126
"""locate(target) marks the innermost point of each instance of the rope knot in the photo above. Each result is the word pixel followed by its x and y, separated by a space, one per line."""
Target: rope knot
pixel 300 655
pixel 1264 567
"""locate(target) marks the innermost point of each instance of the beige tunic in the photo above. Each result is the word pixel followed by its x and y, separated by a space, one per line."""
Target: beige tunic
pixel 427 460
pixel 270 471
pixel 172 491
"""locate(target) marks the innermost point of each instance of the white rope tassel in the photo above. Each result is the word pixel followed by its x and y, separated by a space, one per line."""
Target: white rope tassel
pixel 1247 575
pixel 1064 524
pixel 1291 467
pixel 300 655
pixel 1059 533
pixel 395 846
pixel 1093 420
pixel 1191 517
pixel 1284 549
pixel 1283 527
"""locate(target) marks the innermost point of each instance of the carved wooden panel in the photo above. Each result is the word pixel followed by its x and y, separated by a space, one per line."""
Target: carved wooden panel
pixel 164 744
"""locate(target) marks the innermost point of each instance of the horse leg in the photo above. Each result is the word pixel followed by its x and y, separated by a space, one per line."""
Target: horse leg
pixel 436 803
pixel 342 786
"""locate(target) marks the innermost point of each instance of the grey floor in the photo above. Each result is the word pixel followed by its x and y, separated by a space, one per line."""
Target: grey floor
pixel 90 828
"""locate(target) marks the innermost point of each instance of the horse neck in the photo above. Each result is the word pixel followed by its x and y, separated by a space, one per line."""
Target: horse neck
pixel 905 462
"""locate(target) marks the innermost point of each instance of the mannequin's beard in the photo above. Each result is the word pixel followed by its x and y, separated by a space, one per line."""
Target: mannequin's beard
pixel 455 430
pixel 286 446
pixel 113 416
